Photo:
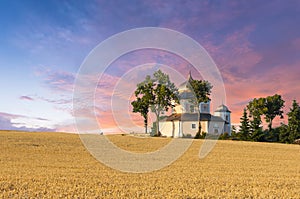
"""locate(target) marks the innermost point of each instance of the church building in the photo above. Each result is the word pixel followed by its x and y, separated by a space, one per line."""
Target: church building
pixel 184 120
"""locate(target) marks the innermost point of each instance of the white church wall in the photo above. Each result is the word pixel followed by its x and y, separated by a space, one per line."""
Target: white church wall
pixel 169 128
pixel 166 128
pixel 204 126
pixel 216 127
pixel 190 127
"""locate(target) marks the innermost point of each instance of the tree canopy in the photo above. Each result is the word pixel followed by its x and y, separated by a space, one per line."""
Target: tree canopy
pixel 201 88
pixel 202 91
pixel 156 93
pixel 245 126
pixel 294 122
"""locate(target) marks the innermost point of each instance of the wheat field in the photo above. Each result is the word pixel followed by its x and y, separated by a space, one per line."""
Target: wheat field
pixel 56 165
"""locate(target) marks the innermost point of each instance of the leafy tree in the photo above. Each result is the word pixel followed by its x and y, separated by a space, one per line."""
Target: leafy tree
pixel 283 136
pixel 141 106
pixel 234 133
pixel 272 107
pixel 202 91
pixel 245 126
pixel 144 99
pixel 255 111
pixel 157 93
pixel 224 136
pixel 294 122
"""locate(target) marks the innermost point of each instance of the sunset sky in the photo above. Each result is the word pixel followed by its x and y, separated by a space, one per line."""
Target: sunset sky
pixel 255 45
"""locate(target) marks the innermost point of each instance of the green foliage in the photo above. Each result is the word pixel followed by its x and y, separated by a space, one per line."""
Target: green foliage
pixel 255 109
pixel 200 135
pixel 224 136
pixel 233 130
pixel 294 122
pixel 257 135
pixel 272 107
pixel 157 93
pixel 244 131
pixel 144 99
pixel 234 133
pixel 202 91
pixel 272 136
pixel 283 136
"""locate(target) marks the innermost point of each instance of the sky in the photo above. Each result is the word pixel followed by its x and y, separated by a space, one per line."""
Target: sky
pixel 254 44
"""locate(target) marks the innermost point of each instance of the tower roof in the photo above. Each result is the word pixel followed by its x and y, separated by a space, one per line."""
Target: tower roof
pixel 184 86
pixel 222 108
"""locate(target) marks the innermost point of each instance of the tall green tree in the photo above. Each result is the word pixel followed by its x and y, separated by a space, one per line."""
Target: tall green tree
pixel 255 112
pixel 144 99
pixel 272 107
pixel 294 122
pixel 202 91
pixel 284 133
pixel 157 93
pixel 244 130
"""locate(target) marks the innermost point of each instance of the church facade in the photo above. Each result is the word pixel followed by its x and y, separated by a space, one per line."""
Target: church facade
pixel 184 120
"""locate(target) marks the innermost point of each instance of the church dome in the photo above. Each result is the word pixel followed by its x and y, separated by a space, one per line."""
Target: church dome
pixel 222 108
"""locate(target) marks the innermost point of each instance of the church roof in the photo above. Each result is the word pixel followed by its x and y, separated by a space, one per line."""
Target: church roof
pixel 194 117
pixel 222 108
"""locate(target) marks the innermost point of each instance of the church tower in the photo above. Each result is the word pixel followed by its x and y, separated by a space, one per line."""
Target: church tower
pixel 223 112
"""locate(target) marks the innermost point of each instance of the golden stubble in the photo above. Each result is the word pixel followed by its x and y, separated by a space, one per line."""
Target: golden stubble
pixel 56 165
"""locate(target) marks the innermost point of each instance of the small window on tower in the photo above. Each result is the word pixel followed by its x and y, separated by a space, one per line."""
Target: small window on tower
pixel 227 118
pixel 193 126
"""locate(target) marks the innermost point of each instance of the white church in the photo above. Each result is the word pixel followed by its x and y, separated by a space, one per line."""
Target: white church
pixel 184 120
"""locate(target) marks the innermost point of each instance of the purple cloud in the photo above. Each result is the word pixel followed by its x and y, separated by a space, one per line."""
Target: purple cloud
pixel 7 124
pixel 58 81
pixel 26 98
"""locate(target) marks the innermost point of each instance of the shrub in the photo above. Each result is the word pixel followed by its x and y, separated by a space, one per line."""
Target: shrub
pixel 297 141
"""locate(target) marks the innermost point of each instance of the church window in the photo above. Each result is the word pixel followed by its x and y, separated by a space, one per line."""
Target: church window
pixel 193 126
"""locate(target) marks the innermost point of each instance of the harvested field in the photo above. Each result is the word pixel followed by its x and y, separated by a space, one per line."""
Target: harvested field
pixel 56 165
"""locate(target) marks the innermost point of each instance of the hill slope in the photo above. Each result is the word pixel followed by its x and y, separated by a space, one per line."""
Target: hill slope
pixel 57 165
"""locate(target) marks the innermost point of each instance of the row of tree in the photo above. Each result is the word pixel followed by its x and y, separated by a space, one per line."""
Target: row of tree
pixel 268 108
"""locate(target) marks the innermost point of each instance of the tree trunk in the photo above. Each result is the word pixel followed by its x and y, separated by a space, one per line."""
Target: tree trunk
pixel 157 124
pixel 199 127
pixel 270 125
pixel 146 123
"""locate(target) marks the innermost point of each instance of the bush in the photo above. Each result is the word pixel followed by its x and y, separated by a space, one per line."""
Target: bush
pixel 297 141
pixel 157 134
pixel 224 136
pixel 200 135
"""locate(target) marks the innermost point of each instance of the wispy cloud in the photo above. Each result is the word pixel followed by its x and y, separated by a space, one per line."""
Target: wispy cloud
pixel 6 123
pixel 56 80
pixel 23 97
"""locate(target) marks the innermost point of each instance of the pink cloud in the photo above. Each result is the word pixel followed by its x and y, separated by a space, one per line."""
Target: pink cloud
pixel 58 81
